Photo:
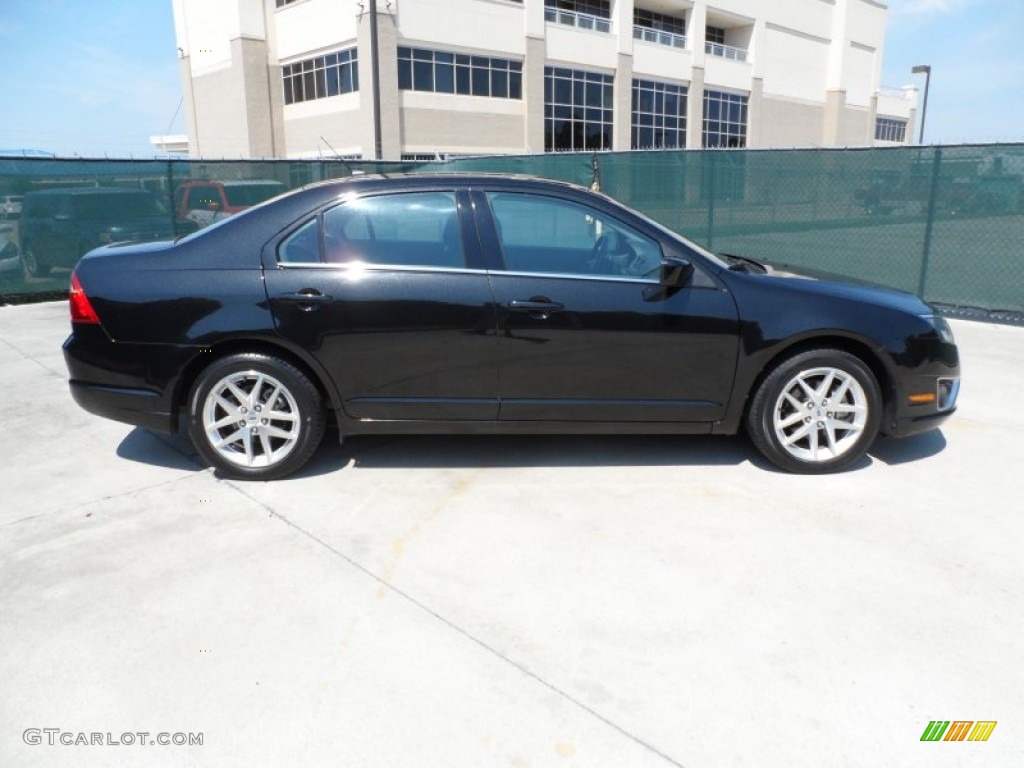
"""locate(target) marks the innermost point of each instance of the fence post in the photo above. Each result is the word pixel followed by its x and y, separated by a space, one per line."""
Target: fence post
pixel 710 169
pixel 930 222
pixel 170 197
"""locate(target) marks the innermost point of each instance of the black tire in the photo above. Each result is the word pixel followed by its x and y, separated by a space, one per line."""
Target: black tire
pixel 816 412
pixel 30 265
pixel 274 424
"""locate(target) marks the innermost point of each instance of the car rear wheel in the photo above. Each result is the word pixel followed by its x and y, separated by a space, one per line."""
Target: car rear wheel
pixel 816 412
pixel 255 417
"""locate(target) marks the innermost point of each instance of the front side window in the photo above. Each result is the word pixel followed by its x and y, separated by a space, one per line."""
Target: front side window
pixel 548 235
pixel 419 229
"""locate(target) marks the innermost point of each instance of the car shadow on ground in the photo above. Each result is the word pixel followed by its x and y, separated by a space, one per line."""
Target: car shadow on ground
pixel 892 451
pixel 512 451
pixel 158 450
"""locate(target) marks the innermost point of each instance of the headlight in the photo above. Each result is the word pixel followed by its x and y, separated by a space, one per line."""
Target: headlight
pixel 942 328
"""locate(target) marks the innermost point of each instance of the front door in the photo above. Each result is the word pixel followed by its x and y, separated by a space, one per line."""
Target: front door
pixel 587 334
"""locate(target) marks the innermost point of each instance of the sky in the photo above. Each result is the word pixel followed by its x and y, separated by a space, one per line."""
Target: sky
pixel 97 78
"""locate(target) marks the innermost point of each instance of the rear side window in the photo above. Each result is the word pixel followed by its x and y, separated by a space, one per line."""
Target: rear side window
pixel 302 246
pixel 419 229
pixel 201 197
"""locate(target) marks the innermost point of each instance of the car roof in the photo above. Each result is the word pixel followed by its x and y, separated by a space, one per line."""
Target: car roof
pixel 461 178
pixel 87 191
pixel 233 182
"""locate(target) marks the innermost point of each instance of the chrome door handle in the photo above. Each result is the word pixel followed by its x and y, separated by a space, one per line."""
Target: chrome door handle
pixel 307 298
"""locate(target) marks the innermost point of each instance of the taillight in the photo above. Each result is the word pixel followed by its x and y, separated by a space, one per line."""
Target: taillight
pixel 81 309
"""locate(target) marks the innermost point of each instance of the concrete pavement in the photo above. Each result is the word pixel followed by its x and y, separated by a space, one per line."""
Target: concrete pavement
pixel 475 601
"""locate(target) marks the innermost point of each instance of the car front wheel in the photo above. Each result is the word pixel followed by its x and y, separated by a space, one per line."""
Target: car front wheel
pixel 255 417
pixel 30 265
pixel 816 412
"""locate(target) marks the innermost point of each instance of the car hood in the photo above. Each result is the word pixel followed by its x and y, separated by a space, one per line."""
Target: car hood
pixel 843 287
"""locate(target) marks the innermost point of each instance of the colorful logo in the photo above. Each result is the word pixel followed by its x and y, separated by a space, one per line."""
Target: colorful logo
pixel 958 730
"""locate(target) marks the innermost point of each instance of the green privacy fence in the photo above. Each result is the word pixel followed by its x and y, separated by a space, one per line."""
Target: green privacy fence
pixel 946 223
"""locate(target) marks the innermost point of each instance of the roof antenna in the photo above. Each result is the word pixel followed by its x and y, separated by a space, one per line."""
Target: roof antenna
pixel 352 171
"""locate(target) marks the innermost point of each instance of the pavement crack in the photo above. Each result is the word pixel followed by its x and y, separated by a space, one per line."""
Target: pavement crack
pixel 522 668
pixel 100 500
pixel 58 374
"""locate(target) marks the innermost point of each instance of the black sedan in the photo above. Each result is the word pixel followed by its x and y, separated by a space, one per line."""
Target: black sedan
pixel 488 304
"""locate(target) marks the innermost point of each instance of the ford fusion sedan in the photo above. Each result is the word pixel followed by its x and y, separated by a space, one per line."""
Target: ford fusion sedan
pixel 488 304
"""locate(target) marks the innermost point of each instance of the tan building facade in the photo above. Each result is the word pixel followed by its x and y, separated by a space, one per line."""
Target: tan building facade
pixel 295 78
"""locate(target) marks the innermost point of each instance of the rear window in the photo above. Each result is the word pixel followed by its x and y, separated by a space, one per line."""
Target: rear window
pixel 115 206
pixel 250 194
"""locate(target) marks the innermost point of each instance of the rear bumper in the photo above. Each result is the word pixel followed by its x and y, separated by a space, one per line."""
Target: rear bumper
pixel 131 383
pixel 139 407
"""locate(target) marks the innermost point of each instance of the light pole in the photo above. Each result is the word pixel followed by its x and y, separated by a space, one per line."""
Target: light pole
pixel 926 70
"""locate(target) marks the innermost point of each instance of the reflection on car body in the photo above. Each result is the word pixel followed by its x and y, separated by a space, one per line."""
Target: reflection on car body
pixel 474 303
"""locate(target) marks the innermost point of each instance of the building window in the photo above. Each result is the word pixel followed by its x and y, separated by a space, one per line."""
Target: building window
pixel 283 3
pixel 651 20
pixel 714 35
pixel 659 115
pixel 890 129
pixel 577 110
pixel 420 69
pixel 320 77
pixel 725 119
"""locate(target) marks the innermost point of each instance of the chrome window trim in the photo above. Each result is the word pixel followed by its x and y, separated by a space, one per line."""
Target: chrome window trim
pixel 357 267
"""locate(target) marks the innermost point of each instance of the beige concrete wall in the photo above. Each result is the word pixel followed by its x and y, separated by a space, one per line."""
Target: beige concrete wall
pixel 441 130
pixel 222 128
pixel 787 123
pixel 387 55
pixel 252 55
pixel 856 127
pixel 189 99
pixel 622 127
pixel 695 110
pixel 533 94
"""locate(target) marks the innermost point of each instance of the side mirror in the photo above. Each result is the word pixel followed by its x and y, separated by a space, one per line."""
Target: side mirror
pixel 675 272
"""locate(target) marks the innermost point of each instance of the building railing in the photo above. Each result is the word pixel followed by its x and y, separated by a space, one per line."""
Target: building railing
pixel 660 37
pixel 725 51
pixel 895 92
pixel 577 19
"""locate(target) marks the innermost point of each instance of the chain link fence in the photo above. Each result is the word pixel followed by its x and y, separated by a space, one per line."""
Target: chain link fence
pixel 946 223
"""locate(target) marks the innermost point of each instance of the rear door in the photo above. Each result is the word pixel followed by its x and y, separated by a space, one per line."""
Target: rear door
pixel 586 333
pixel 388 292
